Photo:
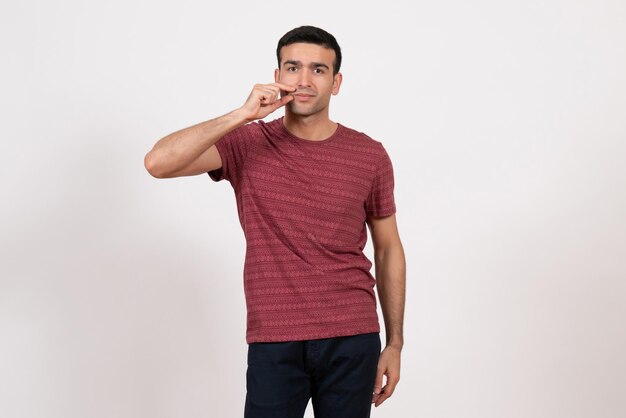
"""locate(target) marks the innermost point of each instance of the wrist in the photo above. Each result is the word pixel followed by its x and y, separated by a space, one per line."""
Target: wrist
pixel 396 343
pixel 243 115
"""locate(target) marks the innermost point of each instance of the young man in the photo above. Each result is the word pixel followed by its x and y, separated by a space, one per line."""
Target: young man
pixel 305 188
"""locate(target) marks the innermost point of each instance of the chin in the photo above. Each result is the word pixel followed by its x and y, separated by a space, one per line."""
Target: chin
pixel 302 110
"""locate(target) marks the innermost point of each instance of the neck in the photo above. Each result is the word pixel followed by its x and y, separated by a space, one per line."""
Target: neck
pixel 313 127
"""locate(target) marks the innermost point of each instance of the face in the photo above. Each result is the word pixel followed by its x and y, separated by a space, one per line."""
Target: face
pixel 309 68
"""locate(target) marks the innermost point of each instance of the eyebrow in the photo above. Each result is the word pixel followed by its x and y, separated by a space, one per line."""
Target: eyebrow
pixel 313 64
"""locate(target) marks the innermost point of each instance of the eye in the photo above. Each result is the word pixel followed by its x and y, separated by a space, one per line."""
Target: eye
pixel 289 69
pixel 319 70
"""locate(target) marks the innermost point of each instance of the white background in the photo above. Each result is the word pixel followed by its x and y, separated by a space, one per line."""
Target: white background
pixel 122 295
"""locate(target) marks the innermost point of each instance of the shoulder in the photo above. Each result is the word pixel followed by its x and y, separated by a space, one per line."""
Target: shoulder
pixel 273 125
pixel 260 128
pixel 251 127
pixel 364 141
pixel 250 131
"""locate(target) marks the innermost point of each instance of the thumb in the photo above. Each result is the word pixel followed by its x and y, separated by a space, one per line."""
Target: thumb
pixel 379 381
pixel 284 100
pixel 279 103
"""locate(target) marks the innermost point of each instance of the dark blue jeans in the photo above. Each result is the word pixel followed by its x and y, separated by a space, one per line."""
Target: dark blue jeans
pixel 338 374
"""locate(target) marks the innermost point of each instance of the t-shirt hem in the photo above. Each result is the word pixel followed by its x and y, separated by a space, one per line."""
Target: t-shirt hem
pixel 219 174
pixel 382 213
pixel 264 337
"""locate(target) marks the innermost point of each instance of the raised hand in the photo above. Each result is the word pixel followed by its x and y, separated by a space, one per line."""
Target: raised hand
pixel 266 98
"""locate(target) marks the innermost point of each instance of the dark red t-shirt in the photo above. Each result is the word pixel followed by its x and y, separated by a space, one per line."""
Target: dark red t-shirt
pixel 302 205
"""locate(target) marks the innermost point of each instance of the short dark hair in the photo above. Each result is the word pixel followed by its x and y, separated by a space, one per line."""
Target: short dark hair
pixel 311 35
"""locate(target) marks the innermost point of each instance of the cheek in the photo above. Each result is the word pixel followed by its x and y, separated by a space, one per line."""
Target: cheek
pixel 287 76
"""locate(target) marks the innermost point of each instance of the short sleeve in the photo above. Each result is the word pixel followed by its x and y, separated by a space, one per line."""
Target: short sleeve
pixel 380 201
pixel 233 148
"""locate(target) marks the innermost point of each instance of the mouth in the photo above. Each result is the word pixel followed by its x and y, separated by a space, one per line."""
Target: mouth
pixel 302 96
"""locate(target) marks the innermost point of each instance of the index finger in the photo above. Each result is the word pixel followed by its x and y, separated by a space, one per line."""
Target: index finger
pixel 285 87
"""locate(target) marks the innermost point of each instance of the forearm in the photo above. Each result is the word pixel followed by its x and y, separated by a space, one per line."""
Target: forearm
pixel 390 267
pixel 179 149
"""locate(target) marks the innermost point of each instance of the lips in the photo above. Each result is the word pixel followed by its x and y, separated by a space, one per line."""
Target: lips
pixel 302 97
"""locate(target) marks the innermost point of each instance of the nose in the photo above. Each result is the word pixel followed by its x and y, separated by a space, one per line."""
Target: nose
pixel 304 79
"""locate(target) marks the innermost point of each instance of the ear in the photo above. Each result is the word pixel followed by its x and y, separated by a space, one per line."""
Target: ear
pixel 276 75
pixel 336 83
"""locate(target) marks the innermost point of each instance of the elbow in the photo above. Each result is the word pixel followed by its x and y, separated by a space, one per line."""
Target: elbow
pixel 384 252
pixel 153 167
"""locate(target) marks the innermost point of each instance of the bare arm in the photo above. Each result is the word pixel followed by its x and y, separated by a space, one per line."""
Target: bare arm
pixel 191 151
pixel 391 283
